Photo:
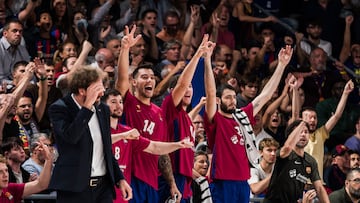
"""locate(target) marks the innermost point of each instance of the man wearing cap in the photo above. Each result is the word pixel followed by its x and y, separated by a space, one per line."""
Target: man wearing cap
pixel 335 174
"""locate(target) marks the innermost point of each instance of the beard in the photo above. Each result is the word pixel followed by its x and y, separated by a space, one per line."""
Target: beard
pixel 113 115
pixel 354 193
pixel 225 109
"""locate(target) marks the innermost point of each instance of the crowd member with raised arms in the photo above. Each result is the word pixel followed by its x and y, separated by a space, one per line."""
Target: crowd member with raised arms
pixel 294 168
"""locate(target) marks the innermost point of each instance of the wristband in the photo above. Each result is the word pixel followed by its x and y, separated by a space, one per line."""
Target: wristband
pixel 343 72
pixel 43 78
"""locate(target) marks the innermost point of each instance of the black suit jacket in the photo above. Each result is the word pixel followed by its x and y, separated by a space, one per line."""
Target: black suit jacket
pixel 72 170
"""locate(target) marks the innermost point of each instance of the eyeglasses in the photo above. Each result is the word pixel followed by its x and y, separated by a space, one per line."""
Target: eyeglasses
pixel 356 180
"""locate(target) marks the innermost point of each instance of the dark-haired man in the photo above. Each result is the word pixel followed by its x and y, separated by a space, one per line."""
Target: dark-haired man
pixel 11 49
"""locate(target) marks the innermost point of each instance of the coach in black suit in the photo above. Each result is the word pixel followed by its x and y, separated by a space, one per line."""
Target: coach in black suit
pixel 86 170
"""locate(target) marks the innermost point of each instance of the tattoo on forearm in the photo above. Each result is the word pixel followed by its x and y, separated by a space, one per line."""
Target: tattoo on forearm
pixel 166 169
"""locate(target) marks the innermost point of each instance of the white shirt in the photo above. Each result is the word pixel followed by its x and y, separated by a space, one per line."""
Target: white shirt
pixel 98 167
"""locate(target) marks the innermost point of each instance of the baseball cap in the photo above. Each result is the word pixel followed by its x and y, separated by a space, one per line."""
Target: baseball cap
pixel 340 150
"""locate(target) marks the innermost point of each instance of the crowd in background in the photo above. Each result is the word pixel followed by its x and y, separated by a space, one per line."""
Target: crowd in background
pixel 43 43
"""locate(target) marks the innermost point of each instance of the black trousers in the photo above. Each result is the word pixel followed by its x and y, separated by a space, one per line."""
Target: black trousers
pixel 101 193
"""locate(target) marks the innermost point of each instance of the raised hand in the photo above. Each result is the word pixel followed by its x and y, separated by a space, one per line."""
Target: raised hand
pixel 285 54
pixel 30 68
pixel 349 87
pixel 104 32
pixel 195 15
pixel 129 40
pixel 349 19
pixel 93 92
pixel 40 67
pixel 206 47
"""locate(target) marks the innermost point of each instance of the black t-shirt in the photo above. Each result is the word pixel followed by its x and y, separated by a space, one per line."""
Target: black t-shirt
pixel 284 184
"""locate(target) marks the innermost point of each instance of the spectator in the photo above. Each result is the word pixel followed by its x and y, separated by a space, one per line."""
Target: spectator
pixel 335 174
pixel 314 30
pixel 294 168
pixel 319 79
pixel 17 191
pixel 354 159
pixel 11 51
pixel 35 163
pixel 318 136
pixel 354 141
pixel 344 126
pixel 261 174
pixel 200 184
pixel 171 29
pixel 243 19
pixel 350 192
pixel 14 153
pixel 249 86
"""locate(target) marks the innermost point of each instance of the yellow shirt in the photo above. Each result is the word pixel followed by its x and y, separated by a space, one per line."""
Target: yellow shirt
pixel 315 147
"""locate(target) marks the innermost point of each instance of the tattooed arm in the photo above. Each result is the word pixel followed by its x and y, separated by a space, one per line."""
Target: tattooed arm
pixel 166 171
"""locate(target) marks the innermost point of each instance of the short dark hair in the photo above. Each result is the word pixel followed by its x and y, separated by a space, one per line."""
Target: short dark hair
pixel 171 13
pixel 108 92
pixel 222 87
pixel 18 64
pixel 292 126
pixel 142 66
pixel 200 153
pixel 12 20
pixel 145 12
pixel 10 143
pixel 247 79
pixel 351 172
pixel 307 108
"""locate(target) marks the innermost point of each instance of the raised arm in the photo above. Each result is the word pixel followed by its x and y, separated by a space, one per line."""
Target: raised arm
pixel 188 73
pixel 122 82
pixel 284 58
pixel 195 111
pixel 210 86
pixel 188 36
pixel 345 50
pixel 42 182
pixel 274 105
pixel 7 103
pixel 330 124
pixel 86 48
pixel 295 106
pixel 24 82
pixel 239 11
pixel 164 83
pixel 40 104
pixel 291 141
